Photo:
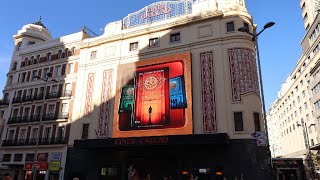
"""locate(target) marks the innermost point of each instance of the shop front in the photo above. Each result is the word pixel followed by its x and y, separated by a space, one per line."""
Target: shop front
pixel 210 157
pixel 288 168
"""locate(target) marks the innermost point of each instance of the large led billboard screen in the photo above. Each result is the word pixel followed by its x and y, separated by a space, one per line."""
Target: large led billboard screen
pixel 154 97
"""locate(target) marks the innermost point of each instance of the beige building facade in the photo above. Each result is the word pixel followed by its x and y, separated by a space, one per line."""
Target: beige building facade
pixel 166 81
pixel 38 102
pixel 294 114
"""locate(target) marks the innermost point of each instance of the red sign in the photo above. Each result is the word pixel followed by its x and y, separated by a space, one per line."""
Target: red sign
pixel 41 166
pixel 156 11
pixel 42 157
pixel 141 141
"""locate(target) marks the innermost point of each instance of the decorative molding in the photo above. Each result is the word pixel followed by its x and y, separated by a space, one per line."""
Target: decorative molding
pixel 208 96
pixel 106 95
pixel 90 85
pixel 243 72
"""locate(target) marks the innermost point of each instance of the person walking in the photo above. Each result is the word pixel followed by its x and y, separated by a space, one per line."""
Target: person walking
pixel 139 171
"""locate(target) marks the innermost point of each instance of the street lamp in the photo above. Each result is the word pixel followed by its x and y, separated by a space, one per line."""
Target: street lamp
pixel 45 79
pixel 306 139
pixel 255 40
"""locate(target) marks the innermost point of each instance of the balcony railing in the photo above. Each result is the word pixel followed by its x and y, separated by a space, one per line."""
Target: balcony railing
pixel 4 102
pixel 16 100
pixel 27 98
pixel 36 118
pixel 38 97
pixel 50 117
pixel 67 93
pixel 30 142
pixel 53 95
pixel 14 120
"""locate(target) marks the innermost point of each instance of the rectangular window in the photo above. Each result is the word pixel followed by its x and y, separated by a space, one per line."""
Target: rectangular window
pixel 133 46
pixel 256 121
pixel 23 77
pixel 34 134
pixel 17 157
pixel 60 133
pixel 175 37
pixel 29 157
pixel 22 134
pixel 47 132
pixel 6 158
pixel 10 135
pixel 305 106
pixel 34 74
pixel 238 121
pixel 93 55
pixel 85 131
pixel 51 109
pixel 70 68
pixel 154 42
pixel 230 26
pixel 57 72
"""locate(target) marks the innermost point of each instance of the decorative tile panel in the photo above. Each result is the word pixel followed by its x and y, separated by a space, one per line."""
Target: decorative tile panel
pixel 208 96
pixel 90 85
pixel 243 70
pixel 105 103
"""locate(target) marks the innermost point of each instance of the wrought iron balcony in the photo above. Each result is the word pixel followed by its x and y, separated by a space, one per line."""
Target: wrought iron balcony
pixel 50 117
pixel 27 98
pixel 32 142
pixel 67 93
pixel 53 95
pixel 16 100
pixel 35 118
pixel 38 97
pixel 14 120
pixel 4 102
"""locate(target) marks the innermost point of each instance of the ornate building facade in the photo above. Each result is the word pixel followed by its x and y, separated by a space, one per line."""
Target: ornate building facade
pixel 174 83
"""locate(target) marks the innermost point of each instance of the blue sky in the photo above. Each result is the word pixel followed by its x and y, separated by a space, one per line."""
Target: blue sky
pixel 279 46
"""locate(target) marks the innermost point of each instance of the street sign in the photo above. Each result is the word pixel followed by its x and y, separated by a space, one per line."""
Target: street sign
pixel 260 142
pixel 259 135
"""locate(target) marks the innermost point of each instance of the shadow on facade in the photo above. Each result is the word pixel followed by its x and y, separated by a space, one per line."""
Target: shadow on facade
pixel 102 155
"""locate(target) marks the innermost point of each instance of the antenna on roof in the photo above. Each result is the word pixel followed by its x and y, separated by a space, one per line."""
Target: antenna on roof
pixel 85 30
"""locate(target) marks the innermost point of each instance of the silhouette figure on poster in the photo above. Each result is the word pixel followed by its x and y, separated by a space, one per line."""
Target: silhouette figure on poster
pixel 150 112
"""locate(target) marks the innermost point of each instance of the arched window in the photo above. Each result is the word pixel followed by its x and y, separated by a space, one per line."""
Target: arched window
pixel 59 54
pixel 26 61
pixel 32 60
pixel 66 51
pixel 14 66
pixel 73 51
pixel 37 59
pixel 19 46
pixel 48 56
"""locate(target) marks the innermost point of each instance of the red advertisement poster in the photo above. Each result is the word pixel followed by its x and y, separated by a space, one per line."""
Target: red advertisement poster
pixel 152 97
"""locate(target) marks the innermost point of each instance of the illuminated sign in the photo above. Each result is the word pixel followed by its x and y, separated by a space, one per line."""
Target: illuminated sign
pixel 157 12
pixel 154 97
pixel 142 141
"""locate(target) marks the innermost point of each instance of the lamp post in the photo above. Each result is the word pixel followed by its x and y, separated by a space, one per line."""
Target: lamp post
pixel 255 40
pixel 45 79
pixel 307 144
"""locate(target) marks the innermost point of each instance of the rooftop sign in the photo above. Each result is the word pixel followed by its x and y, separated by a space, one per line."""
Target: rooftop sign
pixel 157 12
